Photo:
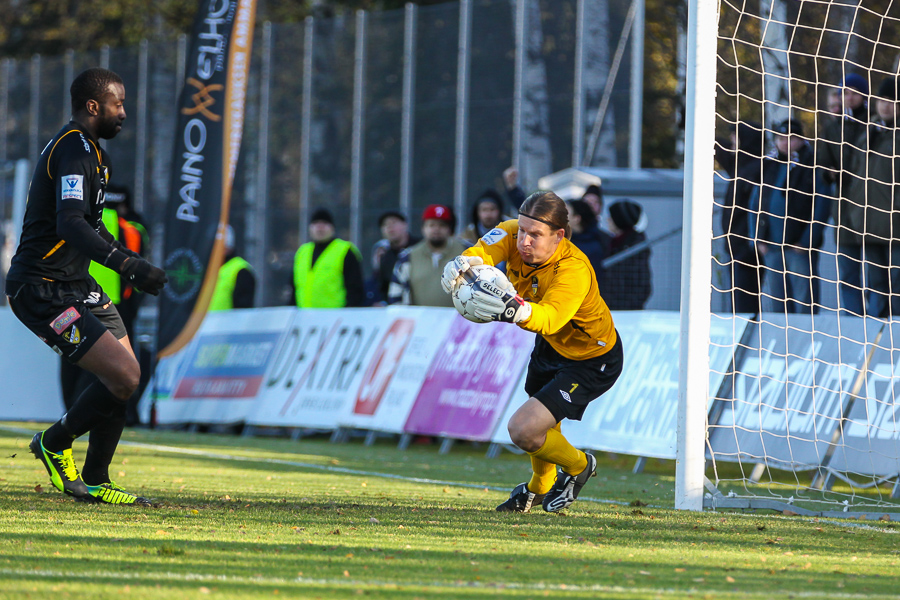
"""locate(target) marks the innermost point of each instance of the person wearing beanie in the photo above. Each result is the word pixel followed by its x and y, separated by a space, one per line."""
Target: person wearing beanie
pixel 395 238
pixel 417 275
pixel 833 153
pixel 628 281
pixel 487 213
pixel 327 269
pixel 870 215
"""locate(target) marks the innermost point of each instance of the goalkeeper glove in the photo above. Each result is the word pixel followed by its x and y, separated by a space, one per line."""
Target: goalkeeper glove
pixel 454 269
pixel 144 275
pixel 498 303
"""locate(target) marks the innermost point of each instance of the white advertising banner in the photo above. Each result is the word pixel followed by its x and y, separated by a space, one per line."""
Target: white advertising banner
pixel 29 372
pixel 218 376
pixel 410 340
pixel 638 415
pixel 314 375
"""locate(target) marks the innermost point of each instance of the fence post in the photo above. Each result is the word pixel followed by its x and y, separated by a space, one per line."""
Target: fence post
pixel 261 202
pixel 407 124
pixel 35 112
pixel 141 141
pixel 357 160
pixel 637 88
pixel 306 126
pixel 578 90
pixel 519 82
pixel 462 109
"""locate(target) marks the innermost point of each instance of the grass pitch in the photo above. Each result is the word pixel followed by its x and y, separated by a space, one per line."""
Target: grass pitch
pixel 262 518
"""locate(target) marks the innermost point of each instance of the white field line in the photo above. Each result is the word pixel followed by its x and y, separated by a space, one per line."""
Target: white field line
pixel 313 466
pixel 148 577
pixel 346 471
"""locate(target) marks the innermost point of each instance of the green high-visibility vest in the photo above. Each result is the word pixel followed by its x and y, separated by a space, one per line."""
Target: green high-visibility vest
pixel 322 285
pixel 109 280
pixel 223 295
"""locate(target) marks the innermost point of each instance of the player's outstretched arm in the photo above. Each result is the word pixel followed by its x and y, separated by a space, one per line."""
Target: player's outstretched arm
pixel 75 230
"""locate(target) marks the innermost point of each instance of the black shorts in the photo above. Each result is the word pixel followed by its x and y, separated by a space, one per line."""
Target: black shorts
pixel 68 316
pixel 567 386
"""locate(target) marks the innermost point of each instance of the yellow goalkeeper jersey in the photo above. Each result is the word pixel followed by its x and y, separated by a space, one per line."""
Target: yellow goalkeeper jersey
pixel 566 308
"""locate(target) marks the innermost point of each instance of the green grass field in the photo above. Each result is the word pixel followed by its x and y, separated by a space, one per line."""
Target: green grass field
pixel 263 517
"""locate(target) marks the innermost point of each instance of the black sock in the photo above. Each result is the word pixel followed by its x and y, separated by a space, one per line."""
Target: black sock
pixel 95 405
pixel 102 444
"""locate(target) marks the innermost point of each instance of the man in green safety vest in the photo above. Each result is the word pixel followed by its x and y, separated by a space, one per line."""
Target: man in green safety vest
pixel 236 285
pixel 327 270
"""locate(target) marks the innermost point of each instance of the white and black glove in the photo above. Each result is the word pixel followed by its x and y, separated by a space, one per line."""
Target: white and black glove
pixel 498 301
pixel 143 275
pixel 453 271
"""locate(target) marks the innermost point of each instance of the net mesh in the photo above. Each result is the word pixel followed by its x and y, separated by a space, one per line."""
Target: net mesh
pixel 805 267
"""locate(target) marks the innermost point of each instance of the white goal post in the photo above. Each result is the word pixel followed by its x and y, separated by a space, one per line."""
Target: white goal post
pixel 793 103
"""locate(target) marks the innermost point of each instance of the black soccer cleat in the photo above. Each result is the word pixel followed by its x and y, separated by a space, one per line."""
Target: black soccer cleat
pixel 61 467
pixel 520 500
pixel 567 487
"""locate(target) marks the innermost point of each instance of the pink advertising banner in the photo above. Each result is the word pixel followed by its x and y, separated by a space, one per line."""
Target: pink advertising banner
pixel 470 380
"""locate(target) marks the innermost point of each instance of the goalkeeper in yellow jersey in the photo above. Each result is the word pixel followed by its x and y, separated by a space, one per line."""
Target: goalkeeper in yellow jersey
pixel 551 290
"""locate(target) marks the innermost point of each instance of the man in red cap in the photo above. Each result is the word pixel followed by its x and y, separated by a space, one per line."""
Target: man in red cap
pixel 417 274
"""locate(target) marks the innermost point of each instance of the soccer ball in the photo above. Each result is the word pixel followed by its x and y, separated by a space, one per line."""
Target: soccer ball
pixel 462 293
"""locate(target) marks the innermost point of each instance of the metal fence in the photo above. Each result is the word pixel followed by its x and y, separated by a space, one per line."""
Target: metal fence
pixel 362 113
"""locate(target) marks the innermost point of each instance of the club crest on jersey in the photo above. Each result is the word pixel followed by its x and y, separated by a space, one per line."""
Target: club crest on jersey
pixel 493 236
pixel 73 187
pixel 60 323
pixel 73 336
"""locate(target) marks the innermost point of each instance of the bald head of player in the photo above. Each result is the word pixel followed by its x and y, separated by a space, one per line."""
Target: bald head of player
pixel 98 102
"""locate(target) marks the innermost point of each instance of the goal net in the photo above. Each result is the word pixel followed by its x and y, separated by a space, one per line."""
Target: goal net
pixel 806 259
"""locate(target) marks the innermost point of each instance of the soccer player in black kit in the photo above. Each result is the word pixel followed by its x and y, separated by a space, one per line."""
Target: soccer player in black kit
pixel 51 292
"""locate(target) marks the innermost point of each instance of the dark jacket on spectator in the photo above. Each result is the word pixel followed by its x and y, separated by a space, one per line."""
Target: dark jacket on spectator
pixel 789 213
pixel 627 284
pixel 834 153
pixel 743 167
pixel 872 206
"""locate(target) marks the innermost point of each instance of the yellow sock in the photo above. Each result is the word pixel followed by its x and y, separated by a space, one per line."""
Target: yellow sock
pixel 542 477
pixel 559 451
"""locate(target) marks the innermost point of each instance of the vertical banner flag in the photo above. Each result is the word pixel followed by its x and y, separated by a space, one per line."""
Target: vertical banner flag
pixel 207 143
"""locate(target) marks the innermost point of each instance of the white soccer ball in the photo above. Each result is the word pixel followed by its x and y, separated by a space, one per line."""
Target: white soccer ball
pixel 462 293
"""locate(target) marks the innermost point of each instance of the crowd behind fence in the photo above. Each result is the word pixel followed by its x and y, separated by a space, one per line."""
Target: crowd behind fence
pixel 360 113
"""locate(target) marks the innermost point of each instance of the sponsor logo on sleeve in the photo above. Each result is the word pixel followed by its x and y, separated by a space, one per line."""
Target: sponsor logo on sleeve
pixel 73 187
pixel 493 236
pixel 60 323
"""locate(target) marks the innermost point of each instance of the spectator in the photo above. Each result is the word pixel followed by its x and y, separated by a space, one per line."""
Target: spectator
pixel 833 152
pixel 487 213
pixel 627 283
pixel 395 239
pixel 787 223
pixel 417 274
pixel 587 236
pixel 741 159
pixel 327 270
pixel 872 202
pixel 236 284
pixel 514 191
pixel 836 101
pixel 593 195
